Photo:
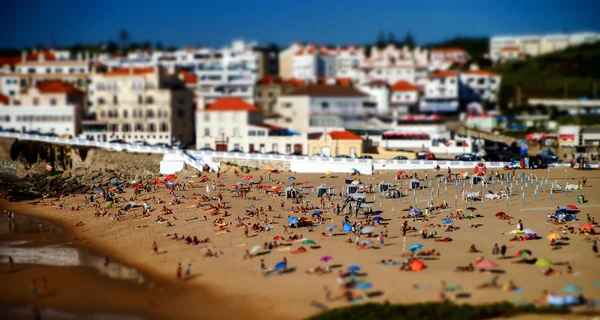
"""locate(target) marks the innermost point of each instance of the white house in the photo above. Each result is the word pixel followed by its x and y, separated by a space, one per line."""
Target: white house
pixel 233 124
pixel 321 106
pixel 144 104
pixel 451 55
pixel 379 94
pixel 479 85
pixel 389 64
pixel 52 106
pixel 311 63
pixel 441 93
pixel 404 97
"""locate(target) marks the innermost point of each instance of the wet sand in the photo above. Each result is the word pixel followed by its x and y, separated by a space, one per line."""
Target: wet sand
pixel 294 295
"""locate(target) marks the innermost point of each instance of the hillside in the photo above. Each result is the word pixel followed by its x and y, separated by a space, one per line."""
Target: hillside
pixel 572 73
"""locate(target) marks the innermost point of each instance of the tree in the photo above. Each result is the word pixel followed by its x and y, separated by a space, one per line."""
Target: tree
pixel 391 40
pixel 123 37
pixel 409 40
pixel 159 46
pixel 380 43
pixel 112 47
pixel 146 45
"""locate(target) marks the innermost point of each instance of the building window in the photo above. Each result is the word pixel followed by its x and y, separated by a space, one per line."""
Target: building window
pixel 252 133
pixel 287 105
pixel 180 113
pixel 102 114
pixel 115 100
pixel 261 133
pixel 140 99
pixel 149 114
pixel 221 131
pixel 275 147
pixel 139 128
pixel 36 101
pixel 164 127
pixel 206 116
pixel 112 128
pixel 259 94
pixel 324 105
pixel 236 132
pixel 52 102
pixel 206 132
pixel 48 70
pixel 125 114
pixel 126 127
pixel 151 127
pixel 149 100
pixel 100 101
pixel 31 70
pixel 288 148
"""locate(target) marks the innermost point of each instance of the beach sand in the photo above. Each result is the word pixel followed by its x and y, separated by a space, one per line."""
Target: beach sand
pixel 232 280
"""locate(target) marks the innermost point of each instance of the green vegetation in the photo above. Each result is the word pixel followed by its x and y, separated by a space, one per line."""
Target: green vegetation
pixel 425 311
pixel 571 73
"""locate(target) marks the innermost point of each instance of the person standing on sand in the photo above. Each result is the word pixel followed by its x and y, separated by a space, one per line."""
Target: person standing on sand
pixel 503 251
pixel 246 231
pixel 179 271
pixel 595 248
pixel 520 225
pixel 327 293
pixel 155 248
pixel 11 263
pixel 188 270
pixel 495 250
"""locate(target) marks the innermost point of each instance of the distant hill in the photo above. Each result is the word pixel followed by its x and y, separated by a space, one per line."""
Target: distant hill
pixel 476 47
pixel 572 73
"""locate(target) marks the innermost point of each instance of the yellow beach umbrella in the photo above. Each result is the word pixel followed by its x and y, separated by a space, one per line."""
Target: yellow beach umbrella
pixel 554 236
pixel 328 172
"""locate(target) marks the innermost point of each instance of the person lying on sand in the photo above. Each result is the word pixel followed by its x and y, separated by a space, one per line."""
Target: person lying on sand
pixel 473 249
pixel 492 284
pixel 469 268
pixel 526 261
pixel 509 286
pixel 443 239
pixel 429 253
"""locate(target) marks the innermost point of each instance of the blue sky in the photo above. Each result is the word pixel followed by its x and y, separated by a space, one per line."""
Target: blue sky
pixel 217 22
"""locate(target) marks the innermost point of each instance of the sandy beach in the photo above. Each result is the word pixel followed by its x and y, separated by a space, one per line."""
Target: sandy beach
pixel 231 284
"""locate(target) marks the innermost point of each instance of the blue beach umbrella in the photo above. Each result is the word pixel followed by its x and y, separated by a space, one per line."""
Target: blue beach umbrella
pixel 378 219
pixel 415 246
pixel 291 178
pixel 572 288
pixel 316 212
pixel 280 265
pixel 364 285
pixel 367 229
pixel 414 211
pixel 446 220
pixel 354 170
pixel 331 227
pixel 347 227
pixel 114 181
pixel 353 268
pixel 293 220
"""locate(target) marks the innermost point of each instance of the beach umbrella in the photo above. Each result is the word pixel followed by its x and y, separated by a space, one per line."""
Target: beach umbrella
pixel 367 229
pixel 326 258
pixel 248 177
pixel 269 168
pixel 447 221
pixel 256 249
pixel 347 227
pixel 543 262
pixel 464 174
pixel 486 264
pixel 363 285
pixel 281 265
pixel 572 207
pixel 328 172
pixel 114 181
pixel 112 189
pixel 316 212
pixel 529 231
pixel 354 170
pixel 276 189
pixel 353 268
pixel 355 182
pixel 414 211
pixel 157 181
pixel 416 246
pixel 588 226
pixel 304 182
pixel 291 178
pixel 524 254
pixel 517 231
pixel 572 288
pixel 293 220
pixel 417 265
pixel 400 172
pixel 554 236
pixel 575 225
pixel 500 214
pixel 310 242
pixel 191 181
pixel 331 227
pixel 98 191
pixel 378 219
pixel 367 242
pixel 276 238
pixel 170 177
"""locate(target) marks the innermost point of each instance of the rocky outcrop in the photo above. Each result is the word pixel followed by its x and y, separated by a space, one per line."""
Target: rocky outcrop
pixel 283 166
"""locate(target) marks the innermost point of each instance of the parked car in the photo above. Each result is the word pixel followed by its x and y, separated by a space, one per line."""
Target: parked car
pixel 206 149
pixel 400 158
pixel 425 155
pixel 12 130
pixel 140 143
pixel 273 152
pixel 50 134
pixel 342 156
pixel 162 145
pixel 467 157
pixel 33 132
pixel 121 141
pixel 236 151
pixel 365 157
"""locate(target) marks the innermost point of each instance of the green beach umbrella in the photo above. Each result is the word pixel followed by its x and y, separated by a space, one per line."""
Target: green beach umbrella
pixel 309 242
pixel 543 262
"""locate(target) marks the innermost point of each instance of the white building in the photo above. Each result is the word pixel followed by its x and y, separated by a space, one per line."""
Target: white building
pixel 441 93
pixel 321 106
pixel 379 94
pixel 479 85
pixel 534 45
pixel 404 97
pixel 233 124
pixel 310 63
pixel 50 107
pixel 449 55
pixel 389 64
pixel 347 62
pixel 144 104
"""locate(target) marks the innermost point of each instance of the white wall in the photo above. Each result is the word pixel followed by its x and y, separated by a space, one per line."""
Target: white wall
pixel 46 119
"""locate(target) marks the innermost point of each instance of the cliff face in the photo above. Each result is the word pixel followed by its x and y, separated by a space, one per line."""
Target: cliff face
pixel 75 169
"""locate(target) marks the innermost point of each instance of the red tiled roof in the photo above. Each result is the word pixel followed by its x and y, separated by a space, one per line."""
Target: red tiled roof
pixel 188 77
pixel 344 135
pixel 346 82
pixel 510 48
pixel 48 55
pixel 272 79
pixel 127 71
pixel 377 83
pixel 482 73
pixel 4 99
pixel 55 86
pixel 443 74
pixel 9 60
pixel 232 104
pixel 404 86
pixel 446 50
pixel 321 90
pixel 296 82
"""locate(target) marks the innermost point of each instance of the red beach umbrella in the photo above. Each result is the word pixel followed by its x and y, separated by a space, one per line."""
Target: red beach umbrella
pixel 170 177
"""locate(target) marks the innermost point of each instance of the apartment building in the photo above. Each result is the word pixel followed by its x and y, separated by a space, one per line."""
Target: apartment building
pixel 310 63
pixel 321 106
pixel 389 64
pixel 441 93
pixel 144 104
pixel 51 106
pixel 378 92
pixel 232 124
pixel 479 85
pixel 450 55
pixel 404 97
pixel 534 45
pixel 269 88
